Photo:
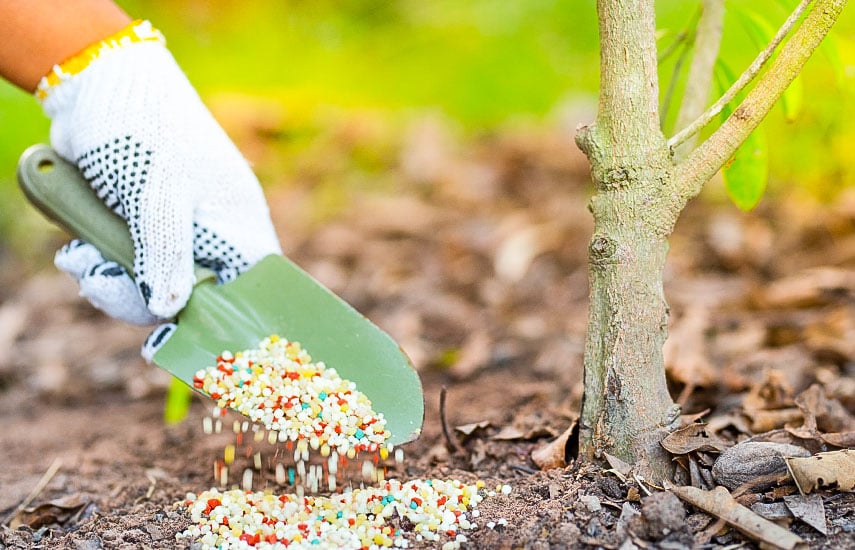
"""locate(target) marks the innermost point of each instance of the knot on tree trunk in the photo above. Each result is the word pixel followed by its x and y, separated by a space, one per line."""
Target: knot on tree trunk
pixel 619 178
pixel 603 250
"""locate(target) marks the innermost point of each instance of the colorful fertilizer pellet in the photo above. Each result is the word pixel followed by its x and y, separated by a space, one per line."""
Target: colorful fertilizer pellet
pixel 362 518
pixel 314 414
pixel 278 386
pixel 303 410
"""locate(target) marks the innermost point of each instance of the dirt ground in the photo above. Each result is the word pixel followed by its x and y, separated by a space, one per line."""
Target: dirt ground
pixel 471 253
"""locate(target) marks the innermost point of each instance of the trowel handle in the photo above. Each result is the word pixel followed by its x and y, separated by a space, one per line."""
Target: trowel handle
pixel 60 192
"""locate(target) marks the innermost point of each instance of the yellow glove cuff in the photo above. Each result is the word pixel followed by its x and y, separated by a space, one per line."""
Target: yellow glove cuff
pixel 137 31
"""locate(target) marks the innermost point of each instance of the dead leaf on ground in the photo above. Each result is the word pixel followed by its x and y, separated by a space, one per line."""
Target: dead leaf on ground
pixel 766 421
pixel 793 362
pixel 842 440
pixel 769 403
pixel 692 438
pixel 686 351
pixel 833 335
pixel 469 429
pixel 56 511
pixel 835 469
pixel 554 454
pixel 837 385
pixel 527 427
pixel 722 505
pixel 774 391
pixel 824 414
pixel 720 422
pixel 809 509
pixel 620 467
pixel 810 288
pixel 773 511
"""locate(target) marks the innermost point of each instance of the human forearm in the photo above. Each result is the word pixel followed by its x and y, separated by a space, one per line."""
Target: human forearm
pixel 35 35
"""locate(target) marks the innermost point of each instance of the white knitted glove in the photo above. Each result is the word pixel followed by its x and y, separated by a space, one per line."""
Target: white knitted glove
pixel 105 284
pixel 109 288
pixel 141 136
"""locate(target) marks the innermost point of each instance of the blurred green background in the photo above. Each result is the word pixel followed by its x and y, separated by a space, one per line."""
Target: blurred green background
pixel 482 64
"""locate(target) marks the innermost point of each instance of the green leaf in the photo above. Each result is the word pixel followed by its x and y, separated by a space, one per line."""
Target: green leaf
pixel 178 398
pixel 761 32
pixel 746 174
pixel 788 5
pixel 830 47
pixel 792 99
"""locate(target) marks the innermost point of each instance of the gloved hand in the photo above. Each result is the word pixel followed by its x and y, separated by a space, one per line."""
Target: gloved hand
pixel 124 112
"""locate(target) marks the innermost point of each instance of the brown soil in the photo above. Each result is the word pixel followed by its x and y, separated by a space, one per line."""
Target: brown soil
pixel 473 258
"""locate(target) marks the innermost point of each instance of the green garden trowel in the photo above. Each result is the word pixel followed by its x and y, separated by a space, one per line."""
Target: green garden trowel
pixel 274 297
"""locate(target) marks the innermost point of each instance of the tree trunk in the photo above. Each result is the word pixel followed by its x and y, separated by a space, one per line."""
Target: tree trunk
pixel 626 408
pixel 640 191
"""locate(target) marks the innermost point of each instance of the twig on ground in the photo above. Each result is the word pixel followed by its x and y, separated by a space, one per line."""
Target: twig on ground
pixel 710 531
pixel 150 491
pixel 40 486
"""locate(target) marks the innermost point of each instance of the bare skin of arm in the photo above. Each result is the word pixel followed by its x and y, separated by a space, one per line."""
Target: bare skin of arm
pixel 35 35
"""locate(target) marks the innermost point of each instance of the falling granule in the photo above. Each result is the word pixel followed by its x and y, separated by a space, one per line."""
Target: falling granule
pixel 313 411
pixel 304 410
pixel 278 386
pixel 435 509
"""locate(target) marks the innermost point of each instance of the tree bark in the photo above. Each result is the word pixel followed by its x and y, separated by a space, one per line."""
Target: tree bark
pixel 626 408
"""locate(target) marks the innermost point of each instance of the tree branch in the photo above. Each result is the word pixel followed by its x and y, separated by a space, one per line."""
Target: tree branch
pixel 672 84
pixel 705 161
pixel 707 42
pixel 744 79
pixel 683 36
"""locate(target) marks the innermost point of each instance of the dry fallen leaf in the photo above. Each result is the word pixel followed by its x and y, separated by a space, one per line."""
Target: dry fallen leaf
pixel 822 413
pixel 686 354
pixel 527 426
pixel 835 469
pixel 769 404
pixel 774 391
pixel 793 364
pixel 773 511
pixel 833 334
pixel 809 509
pixel 765 421
pixel 55 511
pixel 811 288
pixel 618 466
pixel 844 440
pixel 692 438
pixel 520 248
pixel 469 429
pixel 721 504
pixel 554 454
